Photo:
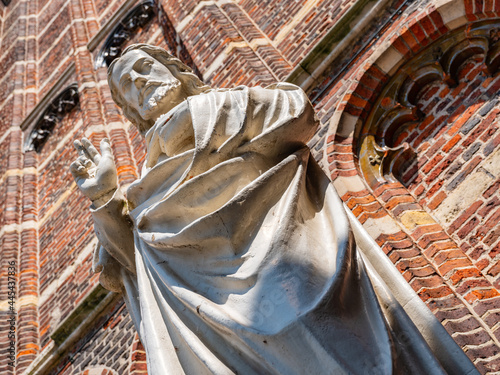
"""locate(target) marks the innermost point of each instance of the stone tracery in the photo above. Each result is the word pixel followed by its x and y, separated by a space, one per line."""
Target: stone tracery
pixel 381 158
pixel 61 105
pixel 138 17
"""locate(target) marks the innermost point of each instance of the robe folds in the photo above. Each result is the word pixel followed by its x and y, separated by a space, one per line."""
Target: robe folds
pixel 235 253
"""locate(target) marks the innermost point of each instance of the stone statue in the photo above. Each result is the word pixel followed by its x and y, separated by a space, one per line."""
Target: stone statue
pixel 233 250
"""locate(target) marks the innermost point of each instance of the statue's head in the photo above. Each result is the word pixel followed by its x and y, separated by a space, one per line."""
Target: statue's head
pixel 147 82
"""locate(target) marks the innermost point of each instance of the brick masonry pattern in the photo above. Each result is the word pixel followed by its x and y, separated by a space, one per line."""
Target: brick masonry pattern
pixel 456 278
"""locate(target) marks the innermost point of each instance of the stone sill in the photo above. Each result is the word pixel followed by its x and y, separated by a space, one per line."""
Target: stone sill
pixel 82 320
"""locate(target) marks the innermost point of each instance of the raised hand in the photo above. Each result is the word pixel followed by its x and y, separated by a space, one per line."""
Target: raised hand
pixel 94 173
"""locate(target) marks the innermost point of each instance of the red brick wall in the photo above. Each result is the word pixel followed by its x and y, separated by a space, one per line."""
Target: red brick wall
pixel 54 47
pixel 448 256
pixel 311 20
pixel 451 263
pixel 104 9
pixel 454 142
pixel 65 229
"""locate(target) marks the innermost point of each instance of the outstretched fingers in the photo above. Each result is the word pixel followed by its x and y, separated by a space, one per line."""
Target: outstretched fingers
pixel 106 148
pixel 79 147
pixel 87 150
pixel 91 151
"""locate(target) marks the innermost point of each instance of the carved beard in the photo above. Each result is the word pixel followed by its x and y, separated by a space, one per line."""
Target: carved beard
pixel 152 103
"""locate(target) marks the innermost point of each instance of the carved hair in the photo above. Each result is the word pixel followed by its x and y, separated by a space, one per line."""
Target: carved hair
pixel 191 84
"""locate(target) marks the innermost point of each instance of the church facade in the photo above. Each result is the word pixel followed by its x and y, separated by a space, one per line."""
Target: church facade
pixel 407 96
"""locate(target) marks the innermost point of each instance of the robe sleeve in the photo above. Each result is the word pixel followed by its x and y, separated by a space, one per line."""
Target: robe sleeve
pixel 274 122
pixel 114 229
pixel 280 120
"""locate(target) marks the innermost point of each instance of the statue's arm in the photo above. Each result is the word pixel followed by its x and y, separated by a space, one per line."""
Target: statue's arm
pixel 114 229
pixel 95 174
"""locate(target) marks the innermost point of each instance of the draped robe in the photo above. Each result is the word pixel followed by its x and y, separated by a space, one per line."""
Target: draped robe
pixel 235 255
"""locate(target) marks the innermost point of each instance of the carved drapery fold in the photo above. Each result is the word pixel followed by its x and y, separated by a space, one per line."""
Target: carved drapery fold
pixel 63 103
pixel 380 157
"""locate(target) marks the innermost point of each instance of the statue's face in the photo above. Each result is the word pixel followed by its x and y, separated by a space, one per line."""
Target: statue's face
pixel 146 85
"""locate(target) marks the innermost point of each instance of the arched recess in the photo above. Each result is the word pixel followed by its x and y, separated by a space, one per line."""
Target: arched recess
pixel 137 18
pixel 381 156
pixel 367 156
pixel 62 104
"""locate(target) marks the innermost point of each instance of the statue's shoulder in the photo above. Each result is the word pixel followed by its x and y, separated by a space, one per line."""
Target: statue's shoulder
pixel 245 89
pixel 285 86
pixel 242 95
pixel 218 95
pixel 278 92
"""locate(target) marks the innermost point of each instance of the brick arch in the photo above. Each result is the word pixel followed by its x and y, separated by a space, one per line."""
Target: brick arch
pixel 407 38
pixel 366 149
pixel 396 108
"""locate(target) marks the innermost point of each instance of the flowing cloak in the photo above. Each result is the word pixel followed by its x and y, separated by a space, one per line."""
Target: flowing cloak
pixel 236 256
